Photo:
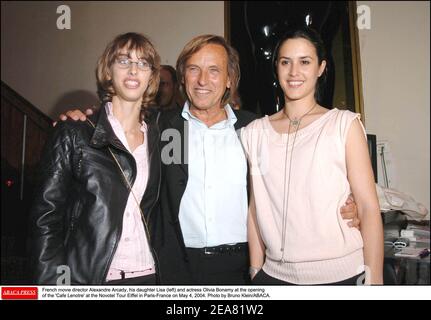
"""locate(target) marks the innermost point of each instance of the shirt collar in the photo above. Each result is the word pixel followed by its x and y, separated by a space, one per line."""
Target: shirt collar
pixel 231 117
pixel 110 112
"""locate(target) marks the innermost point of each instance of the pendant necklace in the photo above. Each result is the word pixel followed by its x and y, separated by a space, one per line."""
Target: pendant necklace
pixel 295 123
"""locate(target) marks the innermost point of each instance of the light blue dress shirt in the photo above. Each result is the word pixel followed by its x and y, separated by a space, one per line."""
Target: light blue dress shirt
pixel 213 209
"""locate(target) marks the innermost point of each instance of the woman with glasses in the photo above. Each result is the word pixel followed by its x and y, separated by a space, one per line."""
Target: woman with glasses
pixel 92 214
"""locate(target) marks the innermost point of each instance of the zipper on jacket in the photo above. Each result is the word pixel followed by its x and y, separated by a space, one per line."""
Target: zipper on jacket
pixel 144 221
pixel 147 232
pixel 159 274
pixel 155 256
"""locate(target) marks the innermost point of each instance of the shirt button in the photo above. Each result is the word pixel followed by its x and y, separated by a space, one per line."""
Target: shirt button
pixel 128 214
pixel 126 239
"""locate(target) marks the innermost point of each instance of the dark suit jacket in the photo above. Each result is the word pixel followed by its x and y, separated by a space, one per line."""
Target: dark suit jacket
pixel 169 240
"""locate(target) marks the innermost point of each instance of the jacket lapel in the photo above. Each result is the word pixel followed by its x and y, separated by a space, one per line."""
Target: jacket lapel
pixel 180 124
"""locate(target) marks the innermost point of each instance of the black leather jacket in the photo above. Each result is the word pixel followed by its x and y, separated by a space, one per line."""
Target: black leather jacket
pixel 77 214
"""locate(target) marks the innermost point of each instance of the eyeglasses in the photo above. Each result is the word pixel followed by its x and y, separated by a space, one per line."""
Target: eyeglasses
pixel 126 63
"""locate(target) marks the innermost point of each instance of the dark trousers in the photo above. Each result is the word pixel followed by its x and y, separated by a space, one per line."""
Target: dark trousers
pixel 228 268
pixel 149 280
pixel 263 279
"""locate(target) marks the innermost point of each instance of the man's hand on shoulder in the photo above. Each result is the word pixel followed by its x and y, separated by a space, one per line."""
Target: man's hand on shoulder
pixel 75 115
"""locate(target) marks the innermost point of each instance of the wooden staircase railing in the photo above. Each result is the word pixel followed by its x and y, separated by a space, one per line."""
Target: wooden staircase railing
pixel 24 130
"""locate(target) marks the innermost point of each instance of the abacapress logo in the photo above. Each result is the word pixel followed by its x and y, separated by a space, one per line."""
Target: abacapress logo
pixel 19 293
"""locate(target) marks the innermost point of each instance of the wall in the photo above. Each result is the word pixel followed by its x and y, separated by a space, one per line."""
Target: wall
pixel 54 69
pixel 395 57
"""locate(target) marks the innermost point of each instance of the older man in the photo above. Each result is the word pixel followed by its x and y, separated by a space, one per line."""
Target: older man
pixel 204 197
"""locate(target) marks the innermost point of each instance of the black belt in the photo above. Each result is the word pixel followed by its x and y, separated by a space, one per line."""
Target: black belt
pixel 223 249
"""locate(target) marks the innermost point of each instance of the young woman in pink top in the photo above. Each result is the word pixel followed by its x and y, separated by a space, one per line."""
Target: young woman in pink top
pixel 304 162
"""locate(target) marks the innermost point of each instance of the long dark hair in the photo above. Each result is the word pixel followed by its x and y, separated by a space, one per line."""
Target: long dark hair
pixel 313 36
